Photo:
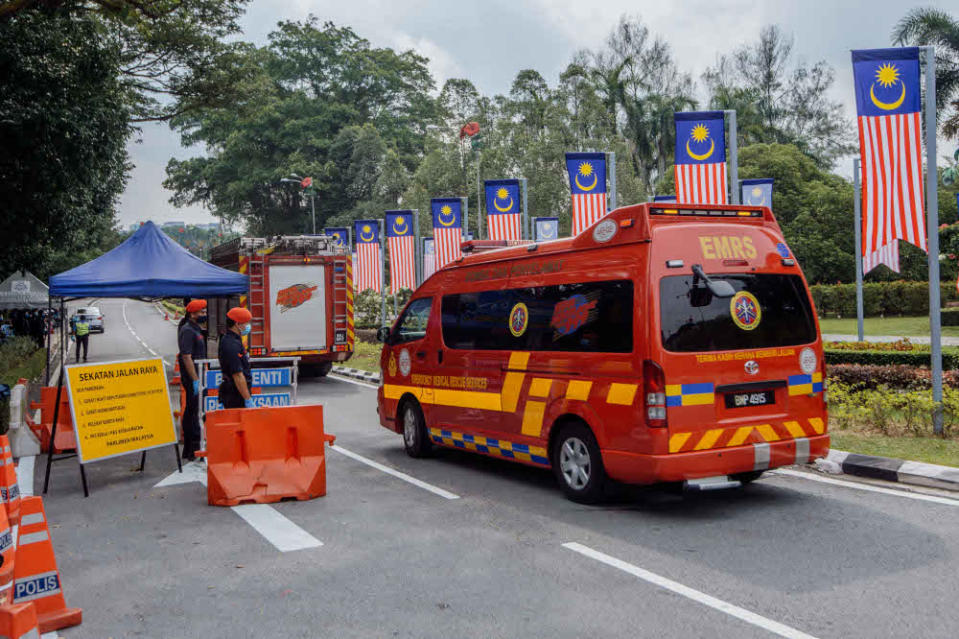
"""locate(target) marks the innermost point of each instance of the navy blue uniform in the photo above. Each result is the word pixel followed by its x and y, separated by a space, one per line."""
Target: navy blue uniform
pixel 233 359
pixel 192 343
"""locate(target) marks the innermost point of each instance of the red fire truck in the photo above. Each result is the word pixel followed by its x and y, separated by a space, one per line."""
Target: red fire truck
pixel 666 343
pixel 301 298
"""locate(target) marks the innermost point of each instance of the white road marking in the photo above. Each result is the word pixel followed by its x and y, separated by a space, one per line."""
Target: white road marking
pixel 266 520
pixel 436 490
pixel 866 487
pixel 142 343
pixel 343 378
pixel 700 597
pixel 25 475
pixel 277 529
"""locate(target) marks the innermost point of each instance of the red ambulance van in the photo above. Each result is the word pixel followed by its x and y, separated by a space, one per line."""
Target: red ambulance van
pixel 672 343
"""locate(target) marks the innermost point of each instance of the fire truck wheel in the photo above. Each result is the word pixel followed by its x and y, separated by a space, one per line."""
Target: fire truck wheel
pixel 415 439
pixel 578 464
pixel 316 370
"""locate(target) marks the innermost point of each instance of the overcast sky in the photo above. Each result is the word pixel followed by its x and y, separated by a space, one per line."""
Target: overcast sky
pixel 488 42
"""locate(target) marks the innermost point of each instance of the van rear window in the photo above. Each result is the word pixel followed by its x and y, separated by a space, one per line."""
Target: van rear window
pixel 590 317
pixel 693 320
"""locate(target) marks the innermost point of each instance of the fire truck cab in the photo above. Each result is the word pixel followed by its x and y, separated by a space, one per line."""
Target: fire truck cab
pixel 666 343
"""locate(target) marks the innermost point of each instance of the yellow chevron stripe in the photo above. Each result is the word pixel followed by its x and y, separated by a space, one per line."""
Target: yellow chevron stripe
pixel 708 439
pixel 795 429
pixel 817 425
pixel 741 434
pixel 767 432
pixel 676 441
pixel 533 418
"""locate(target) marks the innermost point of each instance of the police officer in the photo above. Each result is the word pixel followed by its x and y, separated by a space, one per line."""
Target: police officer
pixel 81 333
pixel 237 381
pixel 192 347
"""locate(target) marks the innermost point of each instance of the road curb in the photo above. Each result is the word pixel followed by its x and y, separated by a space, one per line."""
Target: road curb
pixel 355 373
pixel 889 469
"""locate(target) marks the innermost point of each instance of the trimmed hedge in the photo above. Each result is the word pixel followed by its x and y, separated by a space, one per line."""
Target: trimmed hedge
pixel 950 357
pixel 950 316
pixel 860 377
pixel 879 298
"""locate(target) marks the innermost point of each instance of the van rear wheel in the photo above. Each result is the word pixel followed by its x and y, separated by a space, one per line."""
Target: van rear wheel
pixel 415 438
pixel 578 464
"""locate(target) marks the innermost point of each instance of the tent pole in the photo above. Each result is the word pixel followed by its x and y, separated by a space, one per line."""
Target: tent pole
pixel 46 375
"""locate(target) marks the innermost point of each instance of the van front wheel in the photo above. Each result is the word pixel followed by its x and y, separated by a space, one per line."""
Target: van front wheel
pixel 415 438
pixel 578 465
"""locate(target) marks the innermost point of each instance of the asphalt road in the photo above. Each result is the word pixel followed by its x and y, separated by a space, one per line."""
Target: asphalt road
pixel 790 556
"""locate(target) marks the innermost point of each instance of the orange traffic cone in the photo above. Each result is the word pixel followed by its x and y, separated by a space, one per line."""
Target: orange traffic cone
pixel 9 488
pixel 36 578
pixel 18 621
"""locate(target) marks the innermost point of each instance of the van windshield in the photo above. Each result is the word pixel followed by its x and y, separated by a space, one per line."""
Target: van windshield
pixel 693 320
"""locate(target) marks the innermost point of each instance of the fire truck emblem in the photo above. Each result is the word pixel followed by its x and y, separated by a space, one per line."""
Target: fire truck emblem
pixel 518 319
pixel 293 296
pixel 405 363
pixel 391 367
pixel 570 314
pixel 745 311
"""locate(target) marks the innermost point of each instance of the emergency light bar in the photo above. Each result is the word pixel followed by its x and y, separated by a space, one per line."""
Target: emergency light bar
pixel 705 213
pixel 480 246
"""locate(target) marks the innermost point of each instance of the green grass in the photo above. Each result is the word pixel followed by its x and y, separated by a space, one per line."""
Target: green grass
pixel 29 368
pixel 366 357
pixel 931 450
pixel 904 326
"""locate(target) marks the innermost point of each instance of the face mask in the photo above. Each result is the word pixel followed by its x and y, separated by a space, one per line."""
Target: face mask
pixel 246 329
pixel 202 319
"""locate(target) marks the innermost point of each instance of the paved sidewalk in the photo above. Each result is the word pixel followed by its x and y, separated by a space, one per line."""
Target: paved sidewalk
pixel 923 339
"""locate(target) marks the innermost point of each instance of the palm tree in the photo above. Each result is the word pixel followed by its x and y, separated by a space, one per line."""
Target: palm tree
pixel 938 28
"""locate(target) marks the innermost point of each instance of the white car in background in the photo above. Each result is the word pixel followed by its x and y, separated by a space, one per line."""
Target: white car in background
pixel 92 316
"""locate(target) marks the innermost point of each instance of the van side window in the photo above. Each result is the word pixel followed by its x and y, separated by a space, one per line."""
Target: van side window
pixel 412 326
pixel 578 317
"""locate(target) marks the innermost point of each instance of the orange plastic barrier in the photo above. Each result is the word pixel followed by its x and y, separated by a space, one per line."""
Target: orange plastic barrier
pixel 264 455
pixel 66 440
pixel 36 578
pixel 9 488
pixel 7 559
pixel 18 621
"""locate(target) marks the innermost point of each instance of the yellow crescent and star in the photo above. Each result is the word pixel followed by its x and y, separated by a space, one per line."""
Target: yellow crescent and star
pixel 757 197
pixel 366 233
pixel 887 75
pixel 502 194
pixel 586 170
pixel 399 225
pixel 700 134
pixel 446 210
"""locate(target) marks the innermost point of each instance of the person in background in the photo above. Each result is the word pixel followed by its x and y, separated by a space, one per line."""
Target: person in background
pixel 237 381
pixel 81 334
pixel 192 346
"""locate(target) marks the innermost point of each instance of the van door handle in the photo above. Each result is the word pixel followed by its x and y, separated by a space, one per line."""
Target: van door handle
pixel 439 356
pixel 420 354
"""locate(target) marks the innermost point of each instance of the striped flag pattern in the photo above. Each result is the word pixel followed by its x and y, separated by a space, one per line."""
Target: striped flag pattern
pixel 700 170
pixel 368 273
pixel 502 209
pixel 447 229
pixel 587 185
pixel 401 244
pixel 888 255
pixel 429 257
pixel 888 103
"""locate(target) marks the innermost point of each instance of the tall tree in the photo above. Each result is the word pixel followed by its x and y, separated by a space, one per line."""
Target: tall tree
pixel 935 27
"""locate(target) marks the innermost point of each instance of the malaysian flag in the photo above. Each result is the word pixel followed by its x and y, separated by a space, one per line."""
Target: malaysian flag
pixel 402 246
pixel 758 192
pixel 368 274
pixel 546 228
pixel 447 229
pixel 502 209
pixel 888 104
pixel 700 157
pixel 429 257
pixel 888 255
pixel 340 234
pixel 587 183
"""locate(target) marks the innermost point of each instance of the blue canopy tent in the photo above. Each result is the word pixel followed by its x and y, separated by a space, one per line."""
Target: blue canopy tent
pixel 147 265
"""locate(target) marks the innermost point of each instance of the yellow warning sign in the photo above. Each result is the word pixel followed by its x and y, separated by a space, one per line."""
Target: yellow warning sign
pixel 120 408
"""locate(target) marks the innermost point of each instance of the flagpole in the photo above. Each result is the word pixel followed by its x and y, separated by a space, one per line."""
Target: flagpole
pixel 479 197
pixel 382 226
pixel 465 231
pixel 733 154
pixel 857 214
pixel 524 230
pixel 532 226
pixel 417 251
pixel 932 202
pixel 611 166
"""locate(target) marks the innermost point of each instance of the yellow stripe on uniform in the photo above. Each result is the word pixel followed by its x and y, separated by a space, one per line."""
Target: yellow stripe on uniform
pixel 676 441
pixel 533 418
pixel 708 439
pixel 621 394
pixel 578 389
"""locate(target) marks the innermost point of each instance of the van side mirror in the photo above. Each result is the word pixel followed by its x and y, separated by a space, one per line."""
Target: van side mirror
pixel 721 288
pixel 383 334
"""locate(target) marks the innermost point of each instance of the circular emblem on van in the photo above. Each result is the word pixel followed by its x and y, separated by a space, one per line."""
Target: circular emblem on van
pixel 404 362
pixel 518 319
pixel 752 367
pixel 745 311
pixel 391 365
pixel 604 231
pixel 807 360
